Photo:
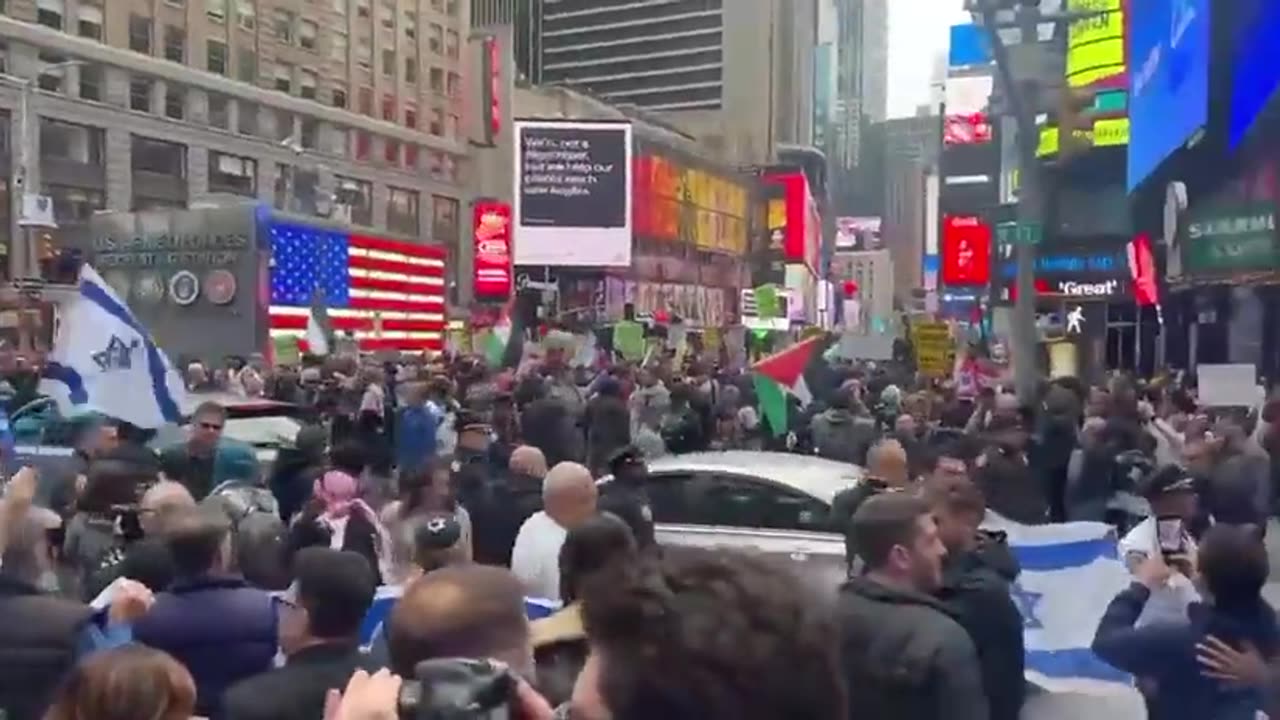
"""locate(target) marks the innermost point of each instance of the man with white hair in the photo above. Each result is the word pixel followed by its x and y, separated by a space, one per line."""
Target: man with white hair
pixel 568 498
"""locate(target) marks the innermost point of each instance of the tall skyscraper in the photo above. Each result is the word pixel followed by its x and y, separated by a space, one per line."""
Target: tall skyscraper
pixel 741 81
pixel 862 94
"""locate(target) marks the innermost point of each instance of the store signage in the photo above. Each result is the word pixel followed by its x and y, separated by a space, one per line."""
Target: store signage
pixel 1227 240
pixel 1079 289
pixel 677 203
pixel 491 233
pixel 966 250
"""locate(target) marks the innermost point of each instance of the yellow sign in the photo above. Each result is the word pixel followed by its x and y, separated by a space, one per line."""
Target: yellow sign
pixel 933 348
pixel 1109 132
pixel 1095 45
pixel 716 210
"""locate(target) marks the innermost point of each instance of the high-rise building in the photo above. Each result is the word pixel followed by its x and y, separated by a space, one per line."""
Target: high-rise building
pixel 741 81
pixel 862 95
pixel 350 110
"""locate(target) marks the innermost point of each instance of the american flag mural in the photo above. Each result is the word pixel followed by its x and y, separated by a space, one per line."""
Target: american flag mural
pixel 388 294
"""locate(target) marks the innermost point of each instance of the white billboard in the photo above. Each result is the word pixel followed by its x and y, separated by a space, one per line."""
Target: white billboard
pixel 572 193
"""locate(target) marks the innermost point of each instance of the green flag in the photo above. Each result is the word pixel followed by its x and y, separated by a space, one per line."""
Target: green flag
pixel 628 339
pixel 773 403
pixel 767 301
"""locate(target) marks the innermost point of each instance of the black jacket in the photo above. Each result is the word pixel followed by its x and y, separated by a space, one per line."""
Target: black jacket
pixel 630 502
pixel 905 658
pixel 38 641
pixel 975 588
pixel 297 690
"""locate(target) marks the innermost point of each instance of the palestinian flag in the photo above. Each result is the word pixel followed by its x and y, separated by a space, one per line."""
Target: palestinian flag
pixel 797 374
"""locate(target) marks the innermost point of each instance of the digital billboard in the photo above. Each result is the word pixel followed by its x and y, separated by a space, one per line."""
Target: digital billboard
pixel 1256 73
pixel 491 236
pixel 572 193
pixel 677 203
pixel 1095 44
pixel 966 250
pixel 802 235
pixel 1168 78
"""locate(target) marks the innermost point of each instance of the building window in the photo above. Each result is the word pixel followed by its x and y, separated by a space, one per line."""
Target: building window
pixel 452 126
pixel 387 14
pixel 435 38
pixel 175 102
pixel 283 22
pixel 51 79
pixel 437 122
pixel 50 13
pixel 451 7
pixel 219 111
pixel 91 82
pixel 340 47
pixel 402 211
pixel 284 77
pixel 248 117
pixel 364 54
pixel 233 174
pixel 388 108
pixel 444 219
pixel 216 9
pixel 284 126
pixel 175 44
pixel 410 24
pixel 216 56
pixel 437 80
pixel 356 195
pixel 140 34
pixel 309 133
pixel 391 152
pixel 411 70
pixel 159 157
pixel 140 94
pixel 366 101
pixel 340 6
pixel 411 117
pixel 246 14
pixel 451 44
pixel 389 63
pixel 411 157
pixel 308 31
pixel 453 86
pixel 247 65
pixel 75 204
pixel 70 142
pixel 90 22
pixel 295 190
pixel 339 98
pixel 363 142
pixel 362 8
pixel 307 81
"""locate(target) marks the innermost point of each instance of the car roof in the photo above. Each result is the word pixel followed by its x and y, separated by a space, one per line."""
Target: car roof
pixel 809 474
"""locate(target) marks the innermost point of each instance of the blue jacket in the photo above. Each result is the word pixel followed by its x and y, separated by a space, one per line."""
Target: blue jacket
pixel 221 629
pixel 1166 655
pixel 415 436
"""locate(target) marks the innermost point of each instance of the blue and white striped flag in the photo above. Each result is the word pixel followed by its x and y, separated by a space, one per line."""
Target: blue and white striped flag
pixel 103 360
pixel 388 595
pixel 1070 572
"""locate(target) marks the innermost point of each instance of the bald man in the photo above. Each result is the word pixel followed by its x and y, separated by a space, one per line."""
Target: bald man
pixel 568 498
pixel 887 471
pixel 160 501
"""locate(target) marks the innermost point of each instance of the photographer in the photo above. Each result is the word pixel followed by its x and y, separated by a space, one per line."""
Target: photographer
pixel 140 552
pixel 1172 494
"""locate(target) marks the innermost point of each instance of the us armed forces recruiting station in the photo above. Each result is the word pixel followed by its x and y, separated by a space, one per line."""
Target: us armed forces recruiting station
pixel 168 249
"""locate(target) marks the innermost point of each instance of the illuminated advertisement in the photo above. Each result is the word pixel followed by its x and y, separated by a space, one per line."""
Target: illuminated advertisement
pixel 491 234
pixel 677 203
pixel 1095 45
pixel 966 250
pixel 1256 72
pixel 801 237
pixel 968 118
pixel 1168 80
pixel 1084 270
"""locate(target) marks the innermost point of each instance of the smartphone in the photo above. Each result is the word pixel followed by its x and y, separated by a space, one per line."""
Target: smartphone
pixel 1171 536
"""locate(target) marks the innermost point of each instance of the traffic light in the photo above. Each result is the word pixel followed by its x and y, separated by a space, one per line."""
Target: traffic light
pixel 1075 120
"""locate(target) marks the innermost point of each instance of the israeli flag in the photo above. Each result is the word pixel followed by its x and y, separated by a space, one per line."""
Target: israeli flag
pixel 1070 573
pixel 388 595
pixel 103 360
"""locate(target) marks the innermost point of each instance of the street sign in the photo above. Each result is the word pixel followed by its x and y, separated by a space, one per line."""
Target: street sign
pixel 1014 233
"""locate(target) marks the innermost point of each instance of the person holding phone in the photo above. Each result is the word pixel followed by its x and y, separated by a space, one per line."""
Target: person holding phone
pixel 1171 492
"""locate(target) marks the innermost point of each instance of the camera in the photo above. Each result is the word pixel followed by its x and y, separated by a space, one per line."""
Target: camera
pixel 457 689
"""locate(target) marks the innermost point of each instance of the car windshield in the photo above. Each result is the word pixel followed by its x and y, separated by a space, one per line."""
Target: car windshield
pixel 273 431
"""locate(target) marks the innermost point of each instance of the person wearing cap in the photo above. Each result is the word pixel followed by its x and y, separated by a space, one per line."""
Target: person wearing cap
pixel 626 495
pixel 1171 491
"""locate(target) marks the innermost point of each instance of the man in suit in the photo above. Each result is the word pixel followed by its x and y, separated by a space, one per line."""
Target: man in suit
pixel 320 620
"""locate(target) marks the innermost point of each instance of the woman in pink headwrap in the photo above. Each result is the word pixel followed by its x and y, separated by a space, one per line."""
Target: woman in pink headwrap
pixel 350 522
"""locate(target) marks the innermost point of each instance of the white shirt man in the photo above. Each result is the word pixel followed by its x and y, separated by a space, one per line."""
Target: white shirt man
pixel 1169 603
pixel 569 497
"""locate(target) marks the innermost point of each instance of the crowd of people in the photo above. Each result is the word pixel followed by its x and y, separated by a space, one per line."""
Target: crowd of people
pixel 199 581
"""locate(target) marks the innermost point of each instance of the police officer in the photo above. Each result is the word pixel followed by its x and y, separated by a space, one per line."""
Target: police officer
pixel 474 483
pixel 626 496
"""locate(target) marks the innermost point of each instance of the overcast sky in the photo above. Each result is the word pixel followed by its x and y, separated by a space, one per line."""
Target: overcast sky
pixel 917 35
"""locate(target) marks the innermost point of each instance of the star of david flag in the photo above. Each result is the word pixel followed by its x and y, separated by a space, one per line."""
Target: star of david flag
pixel 1070 572
pixel 103 360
